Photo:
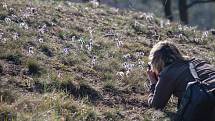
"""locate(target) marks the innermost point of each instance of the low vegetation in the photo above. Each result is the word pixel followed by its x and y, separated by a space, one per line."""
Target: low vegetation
pixel 63 61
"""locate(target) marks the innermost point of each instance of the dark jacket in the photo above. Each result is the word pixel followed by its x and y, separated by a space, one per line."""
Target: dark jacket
pixel 174 78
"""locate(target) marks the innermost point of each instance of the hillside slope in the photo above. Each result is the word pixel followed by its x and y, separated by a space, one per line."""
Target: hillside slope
pixel 67 61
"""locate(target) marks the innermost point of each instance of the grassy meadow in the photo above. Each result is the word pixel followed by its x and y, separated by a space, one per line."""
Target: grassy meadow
pixel 63 61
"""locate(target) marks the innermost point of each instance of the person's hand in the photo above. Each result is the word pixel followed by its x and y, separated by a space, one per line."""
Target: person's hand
pixel 151 75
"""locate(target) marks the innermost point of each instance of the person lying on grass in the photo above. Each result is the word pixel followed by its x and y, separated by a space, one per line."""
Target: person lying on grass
pixel 169 73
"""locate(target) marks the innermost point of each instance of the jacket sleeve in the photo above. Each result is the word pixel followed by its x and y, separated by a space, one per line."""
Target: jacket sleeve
pixel 162 93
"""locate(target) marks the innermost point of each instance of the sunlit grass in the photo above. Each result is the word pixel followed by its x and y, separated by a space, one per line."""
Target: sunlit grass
pixel 78 62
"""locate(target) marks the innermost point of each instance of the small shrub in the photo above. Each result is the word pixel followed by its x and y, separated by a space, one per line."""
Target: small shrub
pixel 109 85
pixel 107 75
pixel 33 67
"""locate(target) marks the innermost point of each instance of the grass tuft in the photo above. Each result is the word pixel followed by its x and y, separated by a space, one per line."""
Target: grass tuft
pixel 33 67
pixel 12 57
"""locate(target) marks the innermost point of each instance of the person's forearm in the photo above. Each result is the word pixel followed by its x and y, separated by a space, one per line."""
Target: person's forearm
pixel 158 96
pixel 153 104
pixel 152 89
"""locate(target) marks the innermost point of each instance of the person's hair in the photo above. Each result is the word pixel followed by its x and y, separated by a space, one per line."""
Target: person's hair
pixel 163 54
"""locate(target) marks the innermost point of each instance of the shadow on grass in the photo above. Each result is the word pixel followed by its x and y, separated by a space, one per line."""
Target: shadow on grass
pixel 113 96
pixel 123 98
pixel 80 91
